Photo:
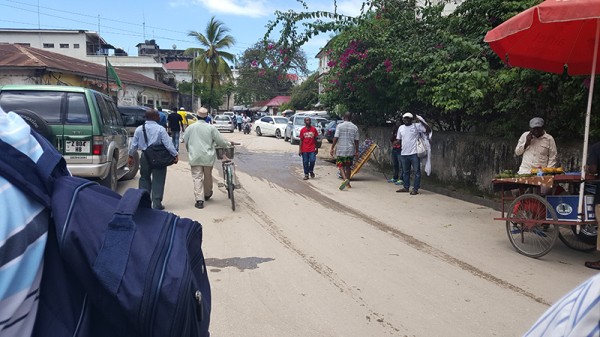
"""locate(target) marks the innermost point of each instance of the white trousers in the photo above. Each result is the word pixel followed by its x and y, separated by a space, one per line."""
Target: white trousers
pixel 203 181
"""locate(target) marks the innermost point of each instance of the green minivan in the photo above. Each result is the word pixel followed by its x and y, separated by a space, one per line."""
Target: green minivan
pixel 83 124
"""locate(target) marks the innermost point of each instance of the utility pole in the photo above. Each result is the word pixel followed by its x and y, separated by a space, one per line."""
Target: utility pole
pixel 193 71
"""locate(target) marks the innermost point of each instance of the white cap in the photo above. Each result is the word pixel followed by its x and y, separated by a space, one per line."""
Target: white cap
pixel 408 115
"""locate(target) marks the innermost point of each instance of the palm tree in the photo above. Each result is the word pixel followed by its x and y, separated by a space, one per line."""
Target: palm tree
pixel 210 60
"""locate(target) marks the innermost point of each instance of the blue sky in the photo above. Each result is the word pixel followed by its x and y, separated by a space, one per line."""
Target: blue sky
pixel 121 23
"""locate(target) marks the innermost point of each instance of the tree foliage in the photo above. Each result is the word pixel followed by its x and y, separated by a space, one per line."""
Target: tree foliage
pixel 210 60
pixel 306 95
pixel 400 56
pixel 265 72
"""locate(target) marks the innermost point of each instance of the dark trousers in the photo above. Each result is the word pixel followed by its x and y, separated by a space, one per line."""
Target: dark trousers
pixel 152 180
pixel 175 138
pixel 409 162
pixel 239 126
pixel 396 163
pixel 308 161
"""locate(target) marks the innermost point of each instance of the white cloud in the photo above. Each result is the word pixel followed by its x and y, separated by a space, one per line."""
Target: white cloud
pixel 251 8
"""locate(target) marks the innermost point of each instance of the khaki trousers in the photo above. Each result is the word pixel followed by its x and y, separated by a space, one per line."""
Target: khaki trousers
pixel 203 181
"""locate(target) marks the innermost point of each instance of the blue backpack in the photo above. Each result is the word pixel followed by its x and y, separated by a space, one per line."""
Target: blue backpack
pixel 113 266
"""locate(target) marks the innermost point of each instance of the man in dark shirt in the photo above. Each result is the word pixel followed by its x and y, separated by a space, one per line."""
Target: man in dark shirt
pixel 395 157
pixel 176 125
pixel 593 163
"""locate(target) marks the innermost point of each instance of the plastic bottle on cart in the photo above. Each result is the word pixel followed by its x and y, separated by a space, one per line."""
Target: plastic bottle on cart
pixel 540 172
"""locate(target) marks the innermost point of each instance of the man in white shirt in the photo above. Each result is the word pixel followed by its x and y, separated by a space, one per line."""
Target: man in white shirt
pixel 407 137
pixel 537 147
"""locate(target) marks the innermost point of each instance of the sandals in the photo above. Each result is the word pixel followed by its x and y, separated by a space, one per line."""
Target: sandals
pixel 344 184
pixel 593 265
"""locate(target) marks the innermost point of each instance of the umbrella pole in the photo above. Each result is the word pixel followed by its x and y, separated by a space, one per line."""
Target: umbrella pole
pixel 588 113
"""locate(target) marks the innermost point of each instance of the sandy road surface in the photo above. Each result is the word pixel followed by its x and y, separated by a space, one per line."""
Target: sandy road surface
pixel 301 258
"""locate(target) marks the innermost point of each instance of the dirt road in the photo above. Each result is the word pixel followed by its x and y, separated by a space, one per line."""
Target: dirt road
pixel 301 258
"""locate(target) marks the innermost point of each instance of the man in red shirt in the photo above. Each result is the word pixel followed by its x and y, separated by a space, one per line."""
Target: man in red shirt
pixel 308 148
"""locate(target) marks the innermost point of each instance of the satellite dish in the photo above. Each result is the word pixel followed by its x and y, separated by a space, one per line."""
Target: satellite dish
pixel 174 46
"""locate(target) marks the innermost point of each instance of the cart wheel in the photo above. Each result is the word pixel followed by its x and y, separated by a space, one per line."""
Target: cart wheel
pixel 531 237
pixel 585 241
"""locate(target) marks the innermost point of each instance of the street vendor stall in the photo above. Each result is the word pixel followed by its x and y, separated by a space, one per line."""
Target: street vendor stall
pixel 534 221
pixel 554 36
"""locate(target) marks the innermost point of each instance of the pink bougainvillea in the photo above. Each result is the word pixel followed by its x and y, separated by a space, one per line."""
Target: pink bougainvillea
pixel 388 65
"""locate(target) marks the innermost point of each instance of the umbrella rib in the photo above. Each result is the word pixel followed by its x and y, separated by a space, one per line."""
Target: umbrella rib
pixel 574 44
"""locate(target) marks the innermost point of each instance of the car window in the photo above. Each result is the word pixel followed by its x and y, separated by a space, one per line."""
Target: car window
pixel 266 119
pixel 222 118
pixel 104 112
pixel 280 120
pixel 114 112
pixel 77 111
pixel 47 105
pixel 299 120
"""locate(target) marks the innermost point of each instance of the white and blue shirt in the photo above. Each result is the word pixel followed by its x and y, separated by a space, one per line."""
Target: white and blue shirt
pixel 577 314
pixel 23 234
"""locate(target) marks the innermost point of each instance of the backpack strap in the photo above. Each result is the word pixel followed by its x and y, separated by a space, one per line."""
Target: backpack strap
pixel 35 179
pixel 112 258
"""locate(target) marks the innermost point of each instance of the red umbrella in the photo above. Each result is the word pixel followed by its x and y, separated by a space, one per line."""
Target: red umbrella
pixel 553 36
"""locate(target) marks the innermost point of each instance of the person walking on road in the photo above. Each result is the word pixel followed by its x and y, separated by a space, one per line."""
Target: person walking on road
pixel 175 122
pixel 200 139
pixel 593 166
pixel 239 120
pixel 308 147
pixel 152 179
pixel 163 117
pixel 345 147
pixel 407 137
pixel 396 153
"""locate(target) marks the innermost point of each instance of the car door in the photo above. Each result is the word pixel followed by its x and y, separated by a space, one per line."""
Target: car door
pixel 269 127
pixel 119 130
pixel 77 142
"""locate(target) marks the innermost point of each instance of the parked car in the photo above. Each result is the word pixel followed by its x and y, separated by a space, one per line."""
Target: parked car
pixel 329 131
pixel 133 116
pixel 83 124
pixel 223 123
pixel 229 114
pixel 295 124
pixel 270 126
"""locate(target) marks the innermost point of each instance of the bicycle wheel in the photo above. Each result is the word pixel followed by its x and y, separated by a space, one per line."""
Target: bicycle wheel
pixel 231 187
pixel 581 242
pixel 531 238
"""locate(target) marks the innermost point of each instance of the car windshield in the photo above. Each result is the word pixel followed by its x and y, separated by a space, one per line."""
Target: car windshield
pixel 222 118
pixel 299 121
pixel 280 120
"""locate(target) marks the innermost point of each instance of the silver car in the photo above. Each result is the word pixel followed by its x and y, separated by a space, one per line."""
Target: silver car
pixel 223 123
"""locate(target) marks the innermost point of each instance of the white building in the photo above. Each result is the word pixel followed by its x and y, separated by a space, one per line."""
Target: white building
pixel 73 43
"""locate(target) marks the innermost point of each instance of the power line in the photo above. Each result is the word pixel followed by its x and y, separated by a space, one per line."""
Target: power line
pixel 104 19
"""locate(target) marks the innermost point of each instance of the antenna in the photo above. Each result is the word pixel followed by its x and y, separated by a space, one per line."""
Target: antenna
pixel 144 24
pixel 39 24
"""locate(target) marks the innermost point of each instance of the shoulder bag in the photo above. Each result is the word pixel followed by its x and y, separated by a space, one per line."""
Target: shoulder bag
pixel 421 147
pixel 157 154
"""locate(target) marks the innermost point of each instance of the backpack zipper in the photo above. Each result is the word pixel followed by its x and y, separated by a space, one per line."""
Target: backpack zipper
pixel 71 207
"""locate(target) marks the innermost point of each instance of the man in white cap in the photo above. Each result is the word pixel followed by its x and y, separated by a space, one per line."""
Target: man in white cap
pixel 536 146
pixel 200 140
pixel 407 139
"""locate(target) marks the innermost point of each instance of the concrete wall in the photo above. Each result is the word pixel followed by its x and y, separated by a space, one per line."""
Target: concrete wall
pixel 37 40
pixel 466 159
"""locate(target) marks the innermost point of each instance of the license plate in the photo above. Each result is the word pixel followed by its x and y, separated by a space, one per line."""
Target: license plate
pixel 77 146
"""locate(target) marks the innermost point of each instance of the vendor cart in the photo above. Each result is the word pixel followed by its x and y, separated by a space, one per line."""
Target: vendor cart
pixel 534 221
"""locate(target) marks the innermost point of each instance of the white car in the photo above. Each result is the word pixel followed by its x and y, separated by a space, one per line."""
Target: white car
pixel 223 123
pixel 271 126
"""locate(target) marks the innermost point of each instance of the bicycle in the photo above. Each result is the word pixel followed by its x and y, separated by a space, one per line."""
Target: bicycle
pixel 226 155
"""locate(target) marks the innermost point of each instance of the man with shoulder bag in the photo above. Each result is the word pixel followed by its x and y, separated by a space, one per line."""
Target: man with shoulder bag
pixel 408 138
pixel 158 152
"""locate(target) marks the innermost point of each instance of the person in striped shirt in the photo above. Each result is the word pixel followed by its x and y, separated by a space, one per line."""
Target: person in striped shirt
pixel 577 314
pixel 23 234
